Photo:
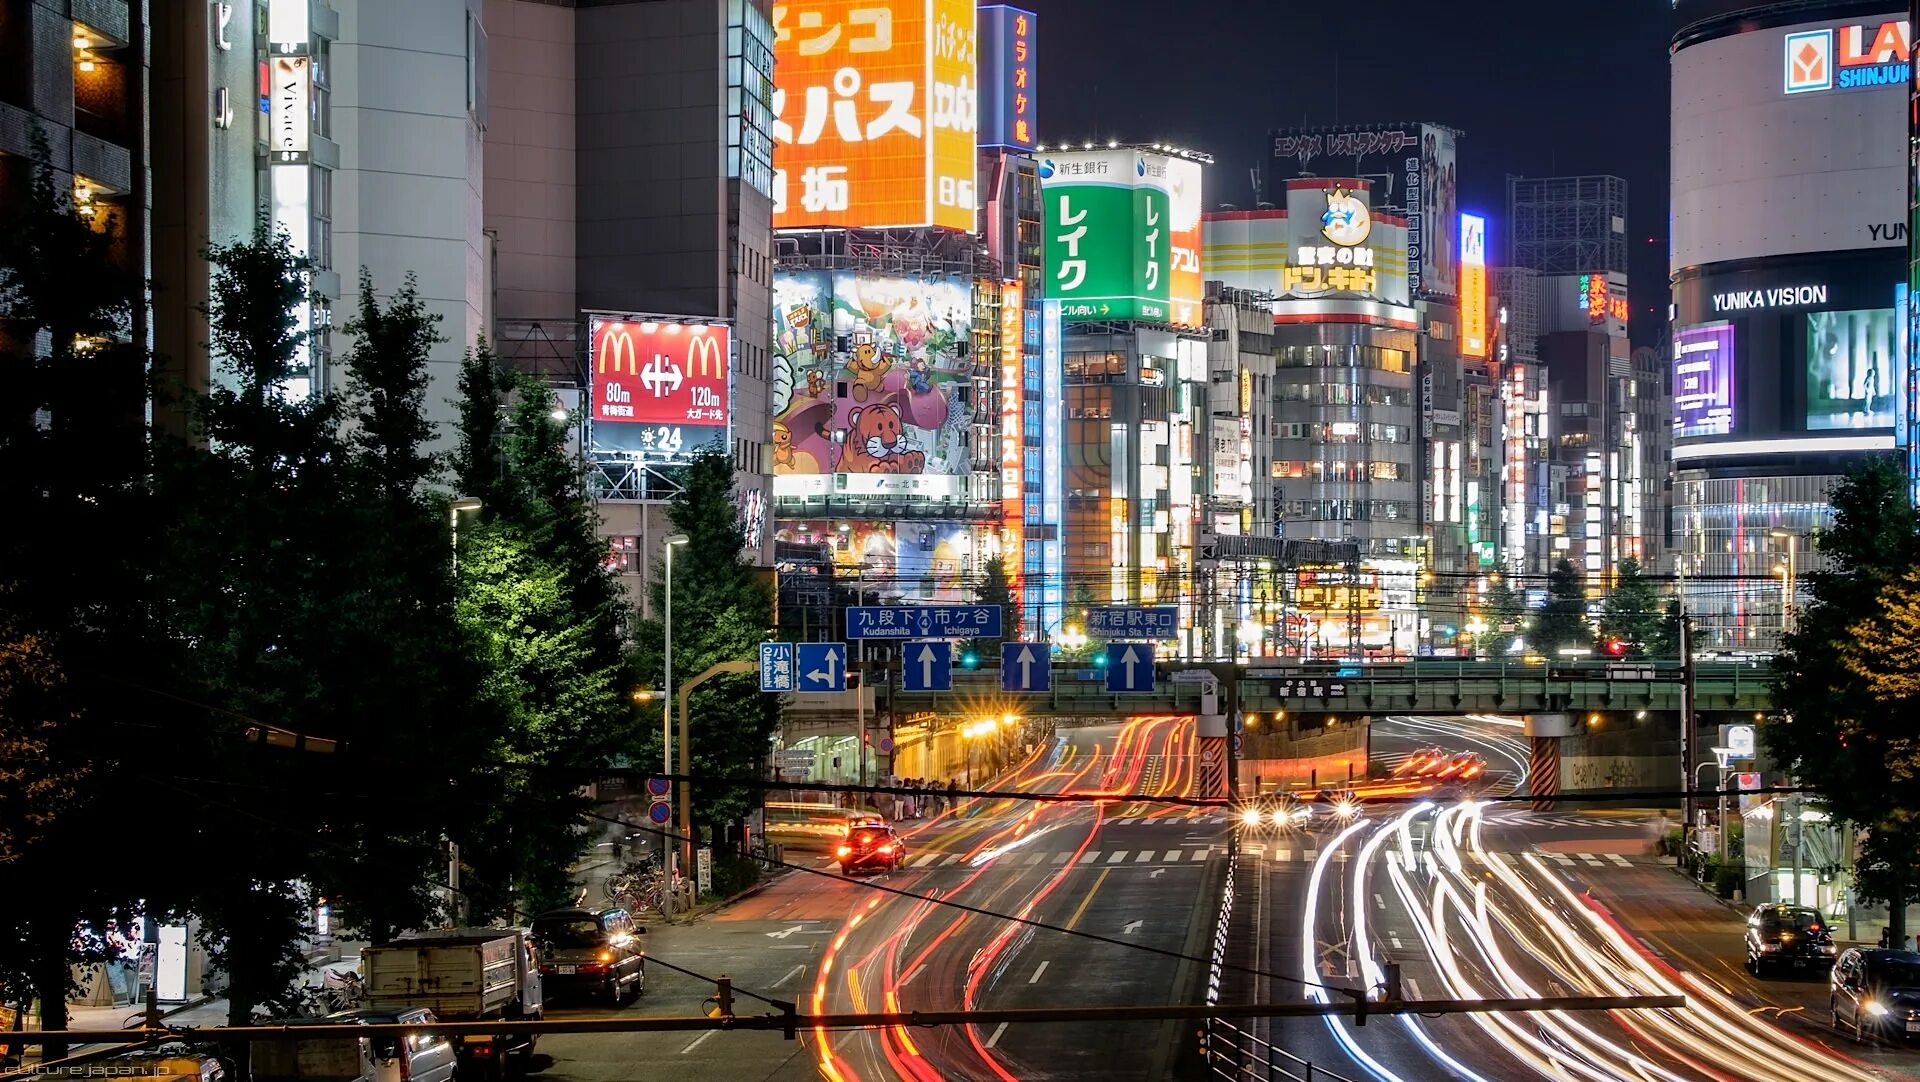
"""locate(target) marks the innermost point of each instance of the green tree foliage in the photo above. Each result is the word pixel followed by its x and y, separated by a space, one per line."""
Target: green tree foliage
pixel 1665 641
pixel 1503 610
pixel 543 612
pixel 996 589
pixel 1632 611
pixel 723 609
pixel 1562 621
pixel 1847 668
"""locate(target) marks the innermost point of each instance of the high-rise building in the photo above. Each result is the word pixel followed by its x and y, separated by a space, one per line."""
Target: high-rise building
pixel 1787 365
pixel 629 204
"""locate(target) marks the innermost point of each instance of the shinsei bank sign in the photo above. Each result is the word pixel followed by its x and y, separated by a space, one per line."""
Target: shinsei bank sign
pixel 1848 57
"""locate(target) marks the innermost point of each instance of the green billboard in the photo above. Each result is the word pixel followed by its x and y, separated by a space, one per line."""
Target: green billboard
pixel 1110 236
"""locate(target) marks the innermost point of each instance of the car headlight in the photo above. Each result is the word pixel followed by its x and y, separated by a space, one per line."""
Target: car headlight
pixel 1769 948
pixel 1251 817
pixel 1876 1008
pixel 1280 817
pixel 1829 948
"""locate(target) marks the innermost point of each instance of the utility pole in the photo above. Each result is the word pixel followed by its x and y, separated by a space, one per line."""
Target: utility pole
pixel 1686 726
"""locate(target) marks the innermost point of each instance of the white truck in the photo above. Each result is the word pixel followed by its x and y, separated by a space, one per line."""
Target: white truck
pixel 463 975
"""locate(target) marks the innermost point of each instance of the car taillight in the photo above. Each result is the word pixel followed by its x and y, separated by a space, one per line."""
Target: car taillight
pixel 844 851
pixel 606 956
pixel 888 848
pixel 593 967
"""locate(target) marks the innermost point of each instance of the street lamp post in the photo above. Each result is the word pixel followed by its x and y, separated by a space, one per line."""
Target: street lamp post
pixel 464 503
pixel 685 788
pixel 669 543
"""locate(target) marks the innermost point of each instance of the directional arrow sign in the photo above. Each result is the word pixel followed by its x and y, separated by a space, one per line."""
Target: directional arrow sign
pixel 1026 666
pixel 822 666
pixel 927 666
pixel 1129 666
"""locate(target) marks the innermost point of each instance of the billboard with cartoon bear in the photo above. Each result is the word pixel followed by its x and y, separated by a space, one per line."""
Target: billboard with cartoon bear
pixel 871 373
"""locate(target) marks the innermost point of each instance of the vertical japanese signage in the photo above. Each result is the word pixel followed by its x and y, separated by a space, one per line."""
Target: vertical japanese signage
pixel 1473 286
pixel 1012 419
pixel 1593 297
pixel 1009 87
pixel 1111 235
pixel 875 107
pixel 659 389
pixel 290 82
pixel 1415 166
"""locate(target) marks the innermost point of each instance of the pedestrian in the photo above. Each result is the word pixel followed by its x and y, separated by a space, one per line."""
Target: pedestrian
pixel 1884 933
pixel 953 793
pixel 116 965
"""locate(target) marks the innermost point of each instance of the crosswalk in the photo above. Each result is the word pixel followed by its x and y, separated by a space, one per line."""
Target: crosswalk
pixel 1130 858
pixel 1531 819
pixel 1294 854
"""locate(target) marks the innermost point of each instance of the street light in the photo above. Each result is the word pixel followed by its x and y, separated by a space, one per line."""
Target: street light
pixel 464 503
pixel 669 543
pixel 454 897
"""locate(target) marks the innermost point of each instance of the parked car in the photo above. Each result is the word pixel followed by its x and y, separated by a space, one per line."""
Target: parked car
pixel 592 952
pixel 1876 994
pixel 1783 936
pixel 870 849
pixel 464 975
pixel 405 1057
pixel 161 1065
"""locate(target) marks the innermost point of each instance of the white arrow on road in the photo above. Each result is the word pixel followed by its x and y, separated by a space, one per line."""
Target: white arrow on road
pixel 1157 873
pixel 800 929
pixel 1132 926
pixel 927 658
pixel 1128 660
pixel 1026 666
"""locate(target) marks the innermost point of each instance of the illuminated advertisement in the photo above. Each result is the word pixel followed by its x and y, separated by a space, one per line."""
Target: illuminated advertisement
pixel 874 111
pixel 1053 473
pixel 870 375
pixel 1703 380
pixel 1846 57
pixel 659 388
pixel 1850 365
pixel 919 560
pixel 1331 249
pixel 750 97
pixel 1115 247
pixel 290 138
pixel 1473 286
pixel 1012 418
pixel 1413 169
pixel 1009 86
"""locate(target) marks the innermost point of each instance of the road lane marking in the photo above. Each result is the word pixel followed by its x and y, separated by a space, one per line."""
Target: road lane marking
pixel 1090 857
pixel 916 972
pixel 1395 940
pixel 1117 857
pixel 790 974
pixel 1034 858
pixel 923 860
pixel 1200 854
pixel 1088 900
pixel 1283 855
pixel 1411 987
pixel 1379 901
pixel 953 858
pixel 1311 855
pixel 995 1039
pixel 1172 855
pixel 1035 979
pixel 1145 855
pixel 1060 857
pixel 695 1043
pixel 1589 858
pixel 1620 860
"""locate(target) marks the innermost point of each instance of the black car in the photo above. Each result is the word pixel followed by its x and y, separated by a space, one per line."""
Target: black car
pixel 1876 994
pixel 590 951
pixel 1782 936
pixel 870 849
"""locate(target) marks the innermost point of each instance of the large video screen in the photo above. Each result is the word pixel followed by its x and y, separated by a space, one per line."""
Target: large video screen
pixel 1850 365
pixel 1703 380
pixel 871 373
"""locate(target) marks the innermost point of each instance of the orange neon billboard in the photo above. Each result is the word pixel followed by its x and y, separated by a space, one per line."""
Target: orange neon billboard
pixel 875 111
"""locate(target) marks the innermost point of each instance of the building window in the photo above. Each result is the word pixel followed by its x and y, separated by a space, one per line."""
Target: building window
pixel 320 245
pixel 322 68
pixel 623 555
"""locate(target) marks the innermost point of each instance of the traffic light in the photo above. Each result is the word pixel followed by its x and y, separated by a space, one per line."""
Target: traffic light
pixel 970 659
pixel 1100 660
pixel 1616 648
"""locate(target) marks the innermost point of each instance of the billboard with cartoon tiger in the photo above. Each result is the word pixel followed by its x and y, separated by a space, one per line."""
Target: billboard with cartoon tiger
pixel 871 373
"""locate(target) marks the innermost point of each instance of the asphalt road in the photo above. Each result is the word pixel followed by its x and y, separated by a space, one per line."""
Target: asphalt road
pixel 1133 873
pixel 1474 900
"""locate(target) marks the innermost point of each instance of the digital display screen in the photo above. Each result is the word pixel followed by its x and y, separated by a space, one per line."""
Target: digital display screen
pixel 1850 370
pixel 1703 380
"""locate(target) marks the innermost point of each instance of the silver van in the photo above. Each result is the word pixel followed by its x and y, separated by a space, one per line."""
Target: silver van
pixel 409 1057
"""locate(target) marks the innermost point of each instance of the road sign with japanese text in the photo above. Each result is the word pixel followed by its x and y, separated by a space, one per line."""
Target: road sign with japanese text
pixel 924 622
pixel 1161 622
pixel 776 666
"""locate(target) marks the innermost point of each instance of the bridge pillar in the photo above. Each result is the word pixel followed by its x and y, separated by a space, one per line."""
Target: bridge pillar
pixel 1543 769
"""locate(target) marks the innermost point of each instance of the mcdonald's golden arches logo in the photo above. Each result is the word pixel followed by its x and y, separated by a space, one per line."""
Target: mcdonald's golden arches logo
pixel 614 348
pixel 705 358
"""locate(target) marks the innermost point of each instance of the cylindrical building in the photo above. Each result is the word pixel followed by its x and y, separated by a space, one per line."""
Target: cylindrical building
pixel 1788 263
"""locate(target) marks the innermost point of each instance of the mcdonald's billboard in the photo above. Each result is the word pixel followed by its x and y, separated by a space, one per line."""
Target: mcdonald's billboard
pixel 659 389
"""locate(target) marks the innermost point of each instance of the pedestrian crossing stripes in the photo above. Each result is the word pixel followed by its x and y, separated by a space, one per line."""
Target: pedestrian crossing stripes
pixel 1119 857
pixel 1285 855
pixel 1532 819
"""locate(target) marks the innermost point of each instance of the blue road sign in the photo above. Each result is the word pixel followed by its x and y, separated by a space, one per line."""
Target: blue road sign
pixel 1026 666
pixel 659 788
pixel 927 666
pixel 659 812
pixel 820 666
pixel 1129 666
pixel 776 666
pixel 1124 622
pixel 924 622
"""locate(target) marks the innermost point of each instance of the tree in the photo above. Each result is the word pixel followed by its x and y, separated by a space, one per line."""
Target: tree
pixel 477 465
pixel 996 589
pixel 1632 612
pixel 1665 642
pixel 78 736
pixel 725 609
pixel 1562 621
pixel 1846 668
pixel 1502 610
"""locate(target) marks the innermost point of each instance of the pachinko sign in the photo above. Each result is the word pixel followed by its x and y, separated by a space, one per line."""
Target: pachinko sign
pixel 875 108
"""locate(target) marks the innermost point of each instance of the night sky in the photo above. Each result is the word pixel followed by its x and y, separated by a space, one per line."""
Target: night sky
pixel 1537 89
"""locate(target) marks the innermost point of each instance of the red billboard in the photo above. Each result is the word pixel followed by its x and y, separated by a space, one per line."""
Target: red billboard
pixel 659 388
